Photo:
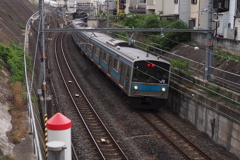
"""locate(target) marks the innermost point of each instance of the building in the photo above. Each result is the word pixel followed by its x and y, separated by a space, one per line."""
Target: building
pixel 226 13
pixel 169 8
pixel 120 6
pixel 135 6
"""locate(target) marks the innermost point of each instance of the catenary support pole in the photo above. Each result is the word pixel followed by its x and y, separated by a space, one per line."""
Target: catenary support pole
pixel 107 13
pixel 209 55
pixel 42 74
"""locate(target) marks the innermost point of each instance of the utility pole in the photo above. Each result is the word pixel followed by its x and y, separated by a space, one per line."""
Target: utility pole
pixel 107 13
pixel 42 75
pixel 209 55
pixel 97 9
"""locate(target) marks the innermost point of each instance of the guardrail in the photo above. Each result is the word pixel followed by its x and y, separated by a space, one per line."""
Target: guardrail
pixel 37 148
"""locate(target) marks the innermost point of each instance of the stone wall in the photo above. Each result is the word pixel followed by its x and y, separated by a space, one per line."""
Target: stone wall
pixel 230 45
pixel 218 120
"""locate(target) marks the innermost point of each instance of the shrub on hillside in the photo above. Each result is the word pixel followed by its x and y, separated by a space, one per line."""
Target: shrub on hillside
pixel 166 40
pixel 12 55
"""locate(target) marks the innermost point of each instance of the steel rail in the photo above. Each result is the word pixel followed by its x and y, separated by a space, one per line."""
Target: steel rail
pixel 74 101
pixel 165 136
pixel 173 130
pixel 183 137
pixel 95 113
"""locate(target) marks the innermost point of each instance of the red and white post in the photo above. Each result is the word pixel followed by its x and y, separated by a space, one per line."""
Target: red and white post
pixel 59 129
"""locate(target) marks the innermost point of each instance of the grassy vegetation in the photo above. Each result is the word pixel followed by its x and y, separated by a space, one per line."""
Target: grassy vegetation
pixel 13 56
pixel 7 157
pixel 17 112
pixel 181 65
pixel 21 26
pixel 220 54
pixel 213 89
pixel 166 40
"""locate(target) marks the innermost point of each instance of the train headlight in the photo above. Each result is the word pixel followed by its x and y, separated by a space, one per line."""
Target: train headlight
pixel 136 87
pixel 163 89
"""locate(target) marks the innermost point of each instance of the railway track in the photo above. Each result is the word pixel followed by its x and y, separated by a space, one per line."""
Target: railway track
pixel 180 143
pixel 105 144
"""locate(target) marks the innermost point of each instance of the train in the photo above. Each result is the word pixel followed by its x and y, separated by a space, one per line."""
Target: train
pixel 142 77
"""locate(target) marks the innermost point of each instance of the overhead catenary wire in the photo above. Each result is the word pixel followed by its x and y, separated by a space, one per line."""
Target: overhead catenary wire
pixel 34 60
pixel 234 74
pixel 204 104
pixel 203 87
pixel 193 82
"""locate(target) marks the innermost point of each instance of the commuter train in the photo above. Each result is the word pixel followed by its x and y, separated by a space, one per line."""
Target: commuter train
pixel 144 78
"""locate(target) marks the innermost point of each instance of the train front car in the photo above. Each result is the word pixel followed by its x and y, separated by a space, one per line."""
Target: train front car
pixel 150 84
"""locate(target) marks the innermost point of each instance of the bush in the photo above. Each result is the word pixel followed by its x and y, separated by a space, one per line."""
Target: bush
pixel 213 89
pixel 21 26
pixel 134 20
pixel 220 54
pixel 12 55
pixel 166 40
pixel 181 65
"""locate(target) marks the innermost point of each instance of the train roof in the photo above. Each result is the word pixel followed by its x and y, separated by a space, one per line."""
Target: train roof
pixel 130 53
pixel 119 46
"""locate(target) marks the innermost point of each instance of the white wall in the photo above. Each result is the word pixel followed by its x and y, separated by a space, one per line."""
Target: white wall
pixel 203 20
pixel 237 24
pixel 169 7
pixel 184 10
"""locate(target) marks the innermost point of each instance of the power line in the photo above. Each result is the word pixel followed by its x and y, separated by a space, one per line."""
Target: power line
pixel 190 81
pixel 126 29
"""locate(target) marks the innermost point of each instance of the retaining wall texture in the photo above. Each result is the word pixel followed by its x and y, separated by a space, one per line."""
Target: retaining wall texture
pixel 208 114
pixel 229 45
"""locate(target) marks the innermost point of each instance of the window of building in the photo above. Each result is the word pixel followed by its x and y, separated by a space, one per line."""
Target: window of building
pixel 176 1
pixel 192 23
pixel 238 9
pixel 194 1
pixel 142 1
pixel 122 4
pixel 221 5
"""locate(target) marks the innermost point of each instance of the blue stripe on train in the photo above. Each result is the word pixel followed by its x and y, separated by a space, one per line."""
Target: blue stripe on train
pixel 115 74
pixel 149 88
pixel 111 52
pixel 104 65
pixel 96 58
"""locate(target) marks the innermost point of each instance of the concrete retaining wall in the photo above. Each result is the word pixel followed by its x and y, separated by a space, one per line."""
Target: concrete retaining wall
pixel 230 45
pixel 217 120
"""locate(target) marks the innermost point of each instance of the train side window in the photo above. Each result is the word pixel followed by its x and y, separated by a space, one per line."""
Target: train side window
pixel 105 56
pixel 89 46
pixel 115 64
pixel 97 51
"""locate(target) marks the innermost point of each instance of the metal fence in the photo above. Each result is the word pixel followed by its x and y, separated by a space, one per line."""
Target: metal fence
pixel 33 124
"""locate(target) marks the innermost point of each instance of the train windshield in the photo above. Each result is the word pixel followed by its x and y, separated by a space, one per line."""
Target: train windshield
pixel 151 72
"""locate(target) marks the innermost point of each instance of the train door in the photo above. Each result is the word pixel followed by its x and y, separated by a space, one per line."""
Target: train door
pixel 128 79
pixel 96 56
pixel 90 48
pixel 124 79
pixel 93 51
pixel 110 59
